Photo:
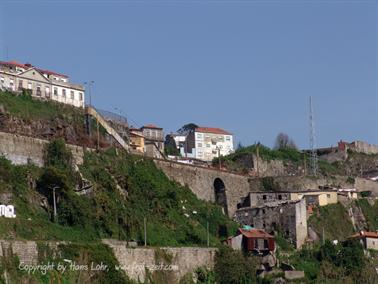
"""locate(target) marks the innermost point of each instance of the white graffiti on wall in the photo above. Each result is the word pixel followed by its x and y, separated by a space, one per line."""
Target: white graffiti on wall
pixel 7 211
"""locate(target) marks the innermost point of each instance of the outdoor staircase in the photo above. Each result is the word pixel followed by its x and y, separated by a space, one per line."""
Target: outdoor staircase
pixel 110 130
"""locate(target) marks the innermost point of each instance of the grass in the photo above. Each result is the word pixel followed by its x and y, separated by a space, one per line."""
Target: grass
pixel 27 108
pixel 334 220
pixel 174 215
pixel 370 212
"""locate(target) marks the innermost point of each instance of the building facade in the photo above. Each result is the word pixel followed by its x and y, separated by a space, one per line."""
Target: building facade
pixel 40 83
pixel 137 140
pixel 153 140
pixel 368 239
pixel 207 143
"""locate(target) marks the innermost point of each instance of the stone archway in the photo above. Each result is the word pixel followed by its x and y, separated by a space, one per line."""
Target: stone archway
pixel 220 194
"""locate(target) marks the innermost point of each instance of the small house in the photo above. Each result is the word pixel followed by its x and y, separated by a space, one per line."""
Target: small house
pixel 252 240
pixel 368 239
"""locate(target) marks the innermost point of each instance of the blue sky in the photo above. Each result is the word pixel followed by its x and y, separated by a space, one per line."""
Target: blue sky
pixel 246 66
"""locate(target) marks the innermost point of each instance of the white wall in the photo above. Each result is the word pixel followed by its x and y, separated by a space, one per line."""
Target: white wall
pixel 207 150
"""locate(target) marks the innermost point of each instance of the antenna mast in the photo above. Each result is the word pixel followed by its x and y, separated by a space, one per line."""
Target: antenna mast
pixel 314 156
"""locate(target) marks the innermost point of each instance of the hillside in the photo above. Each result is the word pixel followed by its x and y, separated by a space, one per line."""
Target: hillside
pixel 296 162
pixel 45 119
pixel 126 189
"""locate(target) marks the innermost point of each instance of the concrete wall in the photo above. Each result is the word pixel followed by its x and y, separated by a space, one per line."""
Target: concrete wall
pixel 301 223
pixel 21 149
pixel 183 259
pixel 362 184
pixel 287 216
pixel 201 182
pixel 363 147
pixel 324 197
pixel 25 250
pixel 372 243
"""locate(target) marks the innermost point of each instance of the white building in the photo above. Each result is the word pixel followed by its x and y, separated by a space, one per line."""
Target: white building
pixel 43 84
pixel 207 143
pixel 368 239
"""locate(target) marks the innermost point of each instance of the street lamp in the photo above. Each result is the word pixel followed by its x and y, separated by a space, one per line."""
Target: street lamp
pixel 89 84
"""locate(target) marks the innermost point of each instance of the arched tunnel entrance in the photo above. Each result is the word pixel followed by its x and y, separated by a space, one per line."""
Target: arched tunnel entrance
pixel 220 194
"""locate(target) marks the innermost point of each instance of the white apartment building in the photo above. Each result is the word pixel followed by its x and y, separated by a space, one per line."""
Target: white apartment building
pixel 207 143
pixel 43 84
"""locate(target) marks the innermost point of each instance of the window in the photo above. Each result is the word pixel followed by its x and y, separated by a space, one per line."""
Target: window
pixel 208 145
pixel 199 145
pixel 199 136
pixel 39 93
pixel 328 195
pixel 64 93
pixel 81 96
pixel 29 85
pixel 55 91
pixel 264 197
pixel 11 82
pixel 279 197
pixel 47 91
pixel 263 211
pixel 19 85
pixel 228 138
pixel 72 95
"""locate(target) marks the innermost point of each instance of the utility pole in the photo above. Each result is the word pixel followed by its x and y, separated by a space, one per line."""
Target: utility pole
pixel 98 137
pixel 207 230
pixel 314 155
pixel 145 231
pixel 304 164
pixel 54 201
pixel 89 84
pixel 258 158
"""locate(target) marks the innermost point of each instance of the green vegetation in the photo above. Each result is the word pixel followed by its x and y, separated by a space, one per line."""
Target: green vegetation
pixel 151 195
pixel 231 266
pixel 68 263
pixel 370 212
pixel 242 159
pixel 334 220
pixel 269 184
pixel 27 108
pixel 126 190
pixel 329 263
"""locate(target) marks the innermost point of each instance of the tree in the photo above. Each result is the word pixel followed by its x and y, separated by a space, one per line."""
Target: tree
pixel 231 266
pixel 58 155
pixel 283 141
pixel 170 147
pixel 240 146
pixel 187 128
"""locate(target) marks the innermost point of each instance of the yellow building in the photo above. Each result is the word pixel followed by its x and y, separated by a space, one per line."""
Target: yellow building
pixel 136 140
pixel 316 197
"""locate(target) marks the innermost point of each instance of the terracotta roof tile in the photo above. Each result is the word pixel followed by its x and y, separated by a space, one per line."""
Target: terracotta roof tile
pixel 362 234
pixel 151 126
pixel 27 66
pixel 255 233
pixel 212 130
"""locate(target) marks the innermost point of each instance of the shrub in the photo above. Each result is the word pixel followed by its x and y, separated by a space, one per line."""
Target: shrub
pixel 58 155
pixel 232 267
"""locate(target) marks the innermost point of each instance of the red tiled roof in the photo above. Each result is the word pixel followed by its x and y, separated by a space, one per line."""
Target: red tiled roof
pixel 255 233
pixel 27 66
pixel 363 234
pixel 13 63
pixel 151 126
pixel 212 130
pixel 48 72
